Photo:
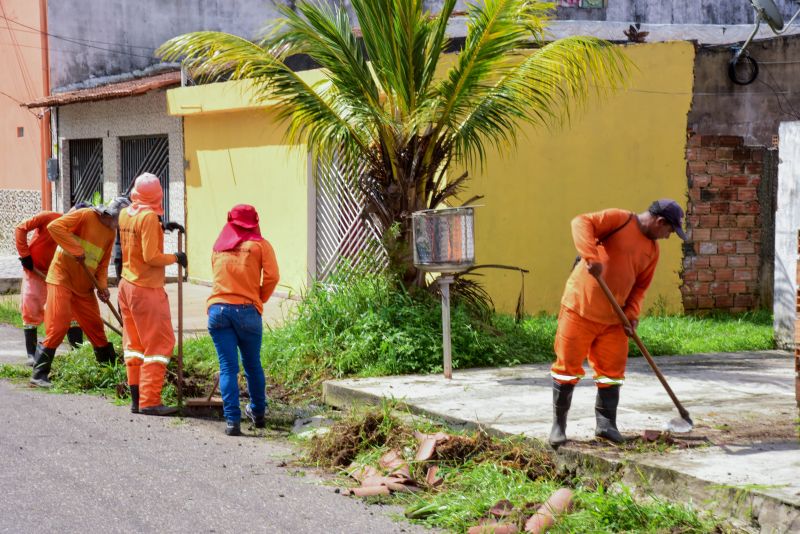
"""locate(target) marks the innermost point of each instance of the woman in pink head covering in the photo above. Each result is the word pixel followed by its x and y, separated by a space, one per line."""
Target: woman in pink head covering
pixel 245 275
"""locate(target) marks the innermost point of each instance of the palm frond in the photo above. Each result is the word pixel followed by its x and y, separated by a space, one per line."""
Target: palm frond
pixel 326 36
pixel 495 30
pixel 316 114
pixel 541 91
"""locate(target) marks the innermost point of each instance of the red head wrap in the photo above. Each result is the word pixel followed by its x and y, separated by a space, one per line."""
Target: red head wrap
pixel 242 226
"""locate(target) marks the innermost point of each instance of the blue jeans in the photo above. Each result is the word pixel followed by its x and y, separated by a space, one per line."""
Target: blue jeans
pixel 232 327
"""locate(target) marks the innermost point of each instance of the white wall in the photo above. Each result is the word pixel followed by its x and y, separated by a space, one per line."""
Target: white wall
pixel 123 117
pixel 787 224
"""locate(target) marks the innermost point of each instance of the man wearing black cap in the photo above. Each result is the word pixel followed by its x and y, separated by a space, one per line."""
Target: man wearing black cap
pixel 621 246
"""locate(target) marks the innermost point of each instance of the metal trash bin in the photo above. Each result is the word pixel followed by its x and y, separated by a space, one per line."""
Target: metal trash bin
pixel 444 242
pixel 444 239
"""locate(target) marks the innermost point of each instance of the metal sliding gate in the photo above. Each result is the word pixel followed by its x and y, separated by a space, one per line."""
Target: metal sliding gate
pixel 145 154
pixel 345 238
pixel 85 169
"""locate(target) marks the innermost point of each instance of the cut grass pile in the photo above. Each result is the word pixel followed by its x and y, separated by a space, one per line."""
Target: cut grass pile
pixel 478 471
pixel 370 326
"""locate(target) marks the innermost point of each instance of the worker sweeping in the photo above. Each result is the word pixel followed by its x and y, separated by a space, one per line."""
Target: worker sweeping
pixel 36 256
pixel 245 275
pixel 621 247
pixel 148 339
pixel 84 238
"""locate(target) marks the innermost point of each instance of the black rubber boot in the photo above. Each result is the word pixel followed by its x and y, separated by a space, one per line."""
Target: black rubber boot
pixel 562 399
pixel 105 354
pixel 30 343
pixel 605 410
pixel 134 399
pixel 158 410
pixel 233 429
pixel 75 336
pixel 43 360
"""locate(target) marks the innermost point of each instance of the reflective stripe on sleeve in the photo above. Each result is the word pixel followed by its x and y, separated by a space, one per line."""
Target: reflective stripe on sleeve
pixel 132 354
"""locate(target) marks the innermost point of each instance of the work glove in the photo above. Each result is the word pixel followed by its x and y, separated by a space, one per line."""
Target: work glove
pixel 183 261
pixel 172 225
pixel 27 262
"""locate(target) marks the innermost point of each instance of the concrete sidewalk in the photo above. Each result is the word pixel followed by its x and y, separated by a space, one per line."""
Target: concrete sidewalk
pixel 743 407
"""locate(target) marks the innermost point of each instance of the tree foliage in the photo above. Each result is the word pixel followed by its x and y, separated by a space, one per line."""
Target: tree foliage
pixel 391 99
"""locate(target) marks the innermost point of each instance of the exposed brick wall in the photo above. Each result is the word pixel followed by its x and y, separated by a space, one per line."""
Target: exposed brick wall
pixel 722 257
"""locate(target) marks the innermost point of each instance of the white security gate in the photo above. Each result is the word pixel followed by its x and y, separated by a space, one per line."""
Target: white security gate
pixel 345 238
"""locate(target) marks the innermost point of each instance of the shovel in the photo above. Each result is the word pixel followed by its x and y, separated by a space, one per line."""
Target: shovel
pixel 679 425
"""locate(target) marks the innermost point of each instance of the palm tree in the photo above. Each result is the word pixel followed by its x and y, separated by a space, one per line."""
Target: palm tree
pixel 388 101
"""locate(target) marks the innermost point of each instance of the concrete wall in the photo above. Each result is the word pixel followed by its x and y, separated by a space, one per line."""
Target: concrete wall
pixel 623 152
pixel 787 224
pixel 110 120
pixel 117 36
pixel 236 154
pixel 672 11
pixel 753 111
pixel 105 37
pixel 20 152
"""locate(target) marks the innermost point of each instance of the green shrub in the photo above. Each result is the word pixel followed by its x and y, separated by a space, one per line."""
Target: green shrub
pixel 372 326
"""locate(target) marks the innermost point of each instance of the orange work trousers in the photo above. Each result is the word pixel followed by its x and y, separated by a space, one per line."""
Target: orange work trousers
pixel 147 339
pixel 34 297
pixel 62 305
pixel 577 338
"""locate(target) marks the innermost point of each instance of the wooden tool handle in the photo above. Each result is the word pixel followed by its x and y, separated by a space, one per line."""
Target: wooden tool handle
pixel 96 286
pixel 645 352
pixel 180 322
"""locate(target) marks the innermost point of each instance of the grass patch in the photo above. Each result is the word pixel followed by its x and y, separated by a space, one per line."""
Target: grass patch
pixel 15 373
pixel 478 471
pixel 10 314
pixel 718 332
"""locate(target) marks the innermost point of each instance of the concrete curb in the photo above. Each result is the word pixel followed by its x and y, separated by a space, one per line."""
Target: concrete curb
pixel 9 286
pixel 749 508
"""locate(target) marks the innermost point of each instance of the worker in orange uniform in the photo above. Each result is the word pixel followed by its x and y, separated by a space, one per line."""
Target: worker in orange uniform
pixel 36 256
pixel 84 236
pixel 621 246
pixel 245 275
pixel 148 337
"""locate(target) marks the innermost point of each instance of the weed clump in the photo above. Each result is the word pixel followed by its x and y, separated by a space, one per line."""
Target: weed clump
pixel 351 436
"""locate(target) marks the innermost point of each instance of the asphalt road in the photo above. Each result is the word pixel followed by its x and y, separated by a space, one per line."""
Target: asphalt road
pixel 75 463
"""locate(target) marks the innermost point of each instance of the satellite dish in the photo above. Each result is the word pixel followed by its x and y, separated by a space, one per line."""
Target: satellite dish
pixel 770 12
pixel 766 10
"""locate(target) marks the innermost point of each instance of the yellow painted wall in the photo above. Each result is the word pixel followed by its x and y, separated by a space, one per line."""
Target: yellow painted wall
pixel 624 152
pixel 237 157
